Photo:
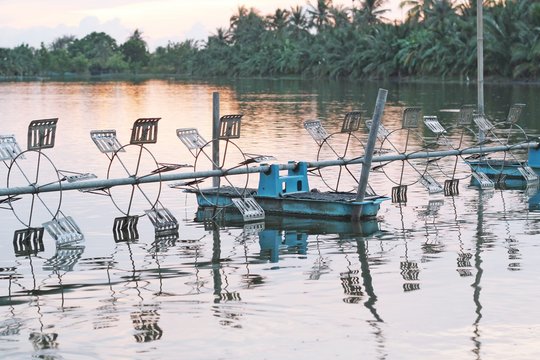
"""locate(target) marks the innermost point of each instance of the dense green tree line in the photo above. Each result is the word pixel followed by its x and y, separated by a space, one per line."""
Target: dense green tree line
pixel 437 39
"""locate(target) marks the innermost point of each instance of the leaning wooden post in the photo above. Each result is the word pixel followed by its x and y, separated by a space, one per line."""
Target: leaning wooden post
pixel 480 63
pixel 370 147
pixel 215 137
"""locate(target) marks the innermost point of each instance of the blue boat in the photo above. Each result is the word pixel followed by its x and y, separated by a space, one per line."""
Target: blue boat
pixel 289 195
pixel 507 173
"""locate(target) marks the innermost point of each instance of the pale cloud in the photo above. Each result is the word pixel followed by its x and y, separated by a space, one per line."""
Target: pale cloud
pixel 35 21
pixel 35 35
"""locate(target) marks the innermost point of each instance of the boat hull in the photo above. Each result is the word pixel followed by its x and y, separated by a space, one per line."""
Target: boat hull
pixel 310 205
pixel 502 173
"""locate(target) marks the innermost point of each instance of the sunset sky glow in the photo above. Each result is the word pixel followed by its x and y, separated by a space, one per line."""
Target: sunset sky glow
pixel 35 21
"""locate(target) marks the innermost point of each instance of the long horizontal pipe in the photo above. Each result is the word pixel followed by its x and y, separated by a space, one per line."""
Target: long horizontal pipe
pixel 108 183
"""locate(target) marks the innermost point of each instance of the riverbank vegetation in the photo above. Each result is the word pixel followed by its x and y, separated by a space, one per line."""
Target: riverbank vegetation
pixel 319 40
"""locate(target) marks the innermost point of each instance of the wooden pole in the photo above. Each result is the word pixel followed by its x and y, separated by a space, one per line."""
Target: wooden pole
pixel 480 56
pixel 215 137
pixel 370 147
pixel 480 62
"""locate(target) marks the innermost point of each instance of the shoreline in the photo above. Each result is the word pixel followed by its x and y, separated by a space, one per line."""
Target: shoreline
pixel 174 77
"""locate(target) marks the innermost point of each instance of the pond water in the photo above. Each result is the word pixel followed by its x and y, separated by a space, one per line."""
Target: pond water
pixel 437 276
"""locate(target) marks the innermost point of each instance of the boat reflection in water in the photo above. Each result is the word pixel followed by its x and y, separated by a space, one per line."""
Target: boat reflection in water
pixel 278 233
pixel 533 195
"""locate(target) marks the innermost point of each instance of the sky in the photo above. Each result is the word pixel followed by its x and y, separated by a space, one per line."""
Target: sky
pixel 34 21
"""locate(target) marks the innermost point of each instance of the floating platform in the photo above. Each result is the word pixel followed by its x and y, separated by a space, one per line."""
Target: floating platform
pixel 289 195
pixel 509 173
pixel 502 172
pixel 311 204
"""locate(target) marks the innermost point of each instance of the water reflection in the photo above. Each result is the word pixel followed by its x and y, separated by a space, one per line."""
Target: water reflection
pixel 321 265
pixel 432 246
pixel 106 314
pixel 464 267
pixel 367 279
pixel 279 237
pixel 129 296
pixel 533 198
pixel 228 315
pixel 145 322
pixel 358 283
pixel 350 281
pixel 43 338
pixel 409 268
pixel 479 248
pixel 13 324
pixel 145 318
pixel 65 257
pixel 275 241
pixel 512 245
pixel 27 245
pixel 142 288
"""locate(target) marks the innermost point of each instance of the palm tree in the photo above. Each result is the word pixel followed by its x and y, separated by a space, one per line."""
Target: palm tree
pixel 440 15
pixel 135 51
pixel 377 59
pixel 320 14
pixel 222 36
pixel 214 57
pixel 370 12
pixel 340 16
pixel 505 26
pixel 241 13
pixel 247 27
pixel 62 42
pixel 297 18
pixel 278 21
pixel 416 9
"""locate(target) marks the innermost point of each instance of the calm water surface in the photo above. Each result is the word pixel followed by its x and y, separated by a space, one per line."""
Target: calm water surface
pixel 446 277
